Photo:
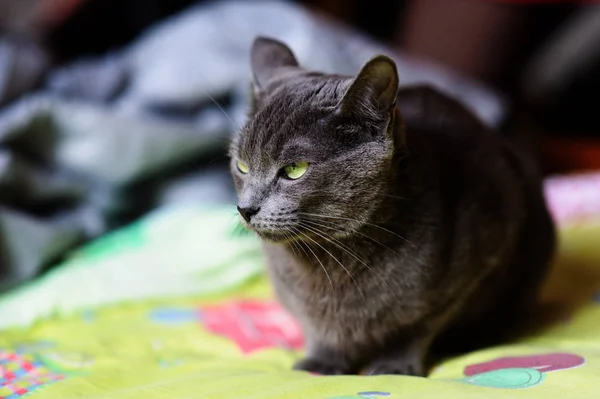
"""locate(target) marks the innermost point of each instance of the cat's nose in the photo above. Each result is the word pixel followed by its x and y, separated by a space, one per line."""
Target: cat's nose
pixel 247 213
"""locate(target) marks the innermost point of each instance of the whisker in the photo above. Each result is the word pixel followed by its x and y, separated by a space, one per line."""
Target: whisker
pixel 235 125
pixel 336 228
pixel 340 263
pixel 290 238
pixel 236 228
pixel 320 263
pixel 359 221
pixel 382 194
pixel 292 243
pixel 351 253
pixel 394 196
pixel 352 232
pixel 327 195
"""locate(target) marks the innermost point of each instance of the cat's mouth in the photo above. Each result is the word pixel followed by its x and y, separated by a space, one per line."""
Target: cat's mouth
pixel 288 234
pixel 274 236
pixel 290 231
pixel 271 233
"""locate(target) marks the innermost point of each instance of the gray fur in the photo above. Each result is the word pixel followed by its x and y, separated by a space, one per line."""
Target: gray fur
pixel 429 226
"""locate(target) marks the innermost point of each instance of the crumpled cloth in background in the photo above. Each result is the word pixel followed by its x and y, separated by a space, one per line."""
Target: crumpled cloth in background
pixel 22 67
pixel 106 140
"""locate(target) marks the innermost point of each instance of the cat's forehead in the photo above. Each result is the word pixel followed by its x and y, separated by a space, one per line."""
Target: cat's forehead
pixel 296 117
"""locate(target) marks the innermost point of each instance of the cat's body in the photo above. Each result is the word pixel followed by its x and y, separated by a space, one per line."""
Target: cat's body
pixel 401 229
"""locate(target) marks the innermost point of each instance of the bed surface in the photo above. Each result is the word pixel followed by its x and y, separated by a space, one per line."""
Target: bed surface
pixel 177 306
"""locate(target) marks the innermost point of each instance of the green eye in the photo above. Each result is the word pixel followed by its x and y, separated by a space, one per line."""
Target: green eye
pixel 242 167
pixel 295 170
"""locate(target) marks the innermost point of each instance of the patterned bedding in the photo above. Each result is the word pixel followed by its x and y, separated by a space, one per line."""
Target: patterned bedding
pixel 177 306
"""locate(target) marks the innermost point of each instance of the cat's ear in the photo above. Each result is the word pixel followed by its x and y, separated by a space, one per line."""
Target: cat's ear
pixel 374 90
pixel 266 57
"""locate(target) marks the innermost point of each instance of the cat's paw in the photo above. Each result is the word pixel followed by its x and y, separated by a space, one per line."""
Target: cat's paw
pixel 321 367
pixel 401 366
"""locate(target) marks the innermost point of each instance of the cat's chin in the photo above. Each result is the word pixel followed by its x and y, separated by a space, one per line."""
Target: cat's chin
pixel 274 237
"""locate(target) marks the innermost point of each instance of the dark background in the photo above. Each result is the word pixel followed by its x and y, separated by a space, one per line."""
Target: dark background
pixel 493 41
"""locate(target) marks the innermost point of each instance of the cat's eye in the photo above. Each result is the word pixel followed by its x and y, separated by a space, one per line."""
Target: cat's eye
pixel 242 167
pixel 295 170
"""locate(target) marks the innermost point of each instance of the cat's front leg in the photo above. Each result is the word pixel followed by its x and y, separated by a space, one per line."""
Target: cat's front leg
pixel 406 359
pixel 321 360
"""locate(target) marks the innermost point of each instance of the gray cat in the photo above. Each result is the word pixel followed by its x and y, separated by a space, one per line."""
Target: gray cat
pixel 393 221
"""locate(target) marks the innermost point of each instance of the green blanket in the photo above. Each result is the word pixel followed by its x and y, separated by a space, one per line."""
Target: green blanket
pixel 177 306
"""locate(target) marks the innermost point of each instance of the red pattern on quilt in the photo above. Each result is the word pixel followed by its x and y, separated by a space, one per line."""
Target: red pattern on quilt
pixel 254 325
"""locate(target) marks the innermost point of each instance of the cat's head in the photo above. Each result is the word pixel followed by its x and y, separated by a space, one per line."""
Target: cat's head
pixel 317 151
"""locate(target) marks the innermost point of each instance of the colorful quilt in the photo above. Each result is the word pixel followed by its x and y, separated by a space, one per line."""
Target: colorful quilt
pixel 177 306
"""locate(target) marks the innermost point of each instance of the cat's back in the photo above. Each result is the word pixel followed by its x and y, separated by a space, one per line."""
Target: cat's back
pixel 491 197
pixel 443 134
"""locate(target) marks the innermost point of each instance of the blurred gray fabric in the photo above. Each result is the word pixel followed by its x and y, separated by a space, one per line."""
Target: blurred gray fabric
pixel 22 66
pixel 106 140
